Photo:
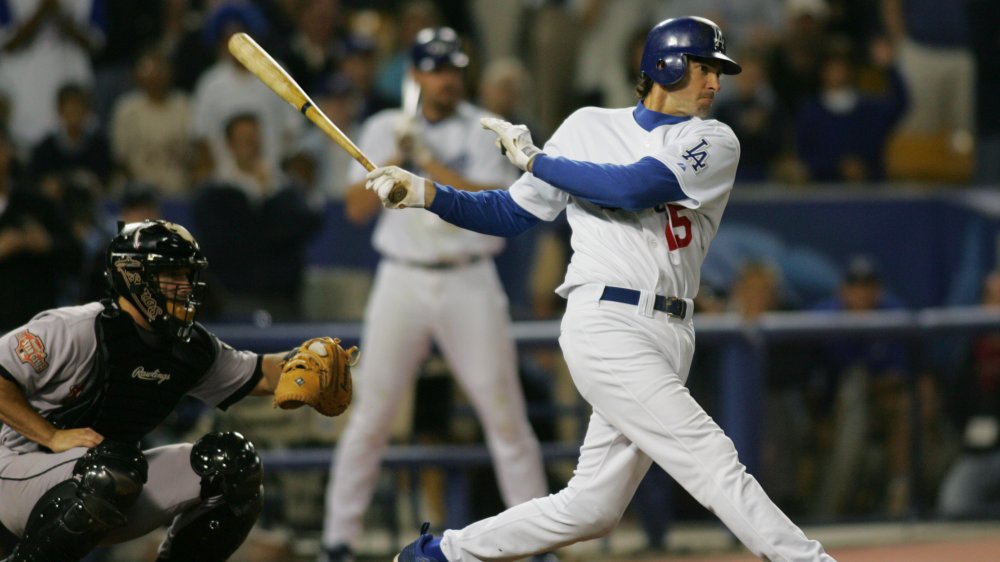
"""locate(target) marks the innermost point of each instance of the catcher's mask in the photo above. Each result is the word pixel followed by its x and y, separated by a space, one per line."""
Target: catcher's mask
pixel 157 265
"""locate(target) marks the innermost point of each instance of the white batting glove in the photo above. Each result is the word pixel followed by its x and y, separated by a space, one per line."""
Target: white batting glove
pixel 387 182
pixel 409 133
pixel 515 141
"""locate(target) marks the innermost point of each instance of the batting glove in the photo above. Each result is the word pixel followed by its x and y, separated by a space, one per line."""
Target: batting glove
pixel 515 141
pixel 391 182
pixel 409 133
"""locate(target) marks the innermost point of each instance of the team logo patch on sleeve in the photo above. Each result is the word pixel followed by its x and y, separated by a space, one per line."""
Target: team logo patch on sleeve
pixel 31 350
pixel 696 157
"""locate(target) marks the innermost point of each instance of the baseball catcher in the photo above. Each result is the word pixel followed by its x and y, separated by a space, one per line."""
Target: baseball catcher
pixel 81 386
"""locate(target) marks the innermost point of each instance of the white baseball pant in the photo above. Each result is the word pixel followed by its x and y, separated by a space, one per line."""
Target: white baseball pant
pixel 465 311
pixel 632 370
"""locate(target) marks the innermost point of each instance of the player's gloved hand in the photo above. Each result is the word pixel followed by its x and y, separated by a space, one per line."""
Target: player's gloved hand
pixel 409 133
pixel 515 141
pixel 391 182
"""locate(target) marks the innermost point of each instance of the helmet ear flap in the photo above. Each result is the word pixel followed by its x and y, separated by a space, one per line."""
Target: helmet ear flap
pixel 666 69
pixel 672 69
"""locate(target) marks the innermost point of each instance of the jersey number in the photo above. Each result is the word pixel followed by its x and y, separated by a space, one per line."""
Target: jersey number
pixel 677 222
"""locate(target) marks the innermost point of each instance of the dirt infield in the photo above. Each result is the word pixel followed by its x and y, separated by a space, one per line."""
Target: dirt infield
pixel 870 542
pixel 984 549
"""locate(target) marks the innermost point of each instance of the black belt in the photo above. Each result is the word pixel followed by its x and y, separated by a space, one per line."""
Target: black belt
pixel 673 306
pixel 438 265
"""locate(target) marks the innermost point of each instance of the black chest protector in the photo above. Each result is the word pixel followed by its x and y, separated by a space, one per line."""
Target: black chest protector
pixel 138 378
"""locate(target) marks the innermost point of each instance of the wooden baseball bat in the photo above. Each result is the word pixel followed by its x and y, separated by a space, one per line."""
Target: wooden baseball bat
pixel 257 61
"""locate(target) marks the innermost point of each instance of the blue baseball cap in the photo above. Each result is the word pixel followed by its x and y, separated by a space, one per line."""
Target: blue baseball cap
pixel 436 47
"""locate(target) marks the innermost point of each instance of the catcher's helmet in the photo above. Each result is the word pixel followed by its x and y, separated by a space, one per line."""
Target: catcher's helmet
pixel 435 47
pixel 664 58
pixel 137 256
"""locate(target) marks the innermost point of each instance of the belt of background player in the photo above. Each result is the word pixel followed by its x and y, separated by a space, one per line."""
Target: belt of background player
pixel 450 263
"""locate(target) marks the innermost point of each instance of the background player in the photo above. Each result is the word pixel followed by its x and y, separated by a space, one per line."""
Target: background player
pixel 81 386
pixel 434 281
pixel 644 190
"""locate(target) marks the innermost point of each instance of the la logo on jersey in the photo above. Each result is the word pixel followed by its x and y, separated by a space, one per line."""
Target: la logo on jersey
pixel 696 156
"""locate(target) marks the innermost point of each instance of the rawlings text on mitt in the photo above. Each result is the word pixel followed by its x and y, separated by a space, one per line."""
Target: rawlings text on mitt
pixel 317 373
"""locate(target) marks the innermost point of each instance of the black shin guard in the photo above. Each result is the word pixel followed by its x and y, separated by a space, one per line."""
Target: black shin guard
pixel 74 516
pixel 231 477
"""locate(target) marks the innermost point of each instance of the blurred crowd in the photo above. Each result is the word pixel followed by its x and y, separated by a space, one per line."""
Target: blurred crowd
pixel 110 107
pixel 106 100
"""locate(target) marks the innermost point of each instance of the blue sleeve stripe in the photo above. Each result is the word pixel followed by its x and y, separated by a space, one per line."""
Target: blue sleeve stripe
pixel 633 187
pixel 4 13
pixel 491 212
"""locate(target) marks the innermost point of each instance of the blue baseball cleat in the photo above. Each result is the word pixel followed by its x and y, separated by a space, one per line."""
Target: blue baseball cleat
pixel 416 550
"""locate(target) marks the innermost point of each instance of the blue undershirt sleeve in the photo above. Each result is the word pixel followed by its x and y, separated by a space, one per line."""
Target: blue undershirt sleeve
pixel 491 212
pixel 633 187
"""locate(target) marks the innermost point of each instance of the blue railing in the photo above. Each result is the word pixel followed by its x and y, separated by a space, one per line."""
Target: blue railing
pixel 741 384
pixel 455 460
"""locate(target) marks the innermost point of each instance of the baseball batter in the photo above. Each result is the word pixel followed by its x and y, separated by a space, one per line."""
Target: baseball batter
pixel 81 386
pixel 435 282
pixel 644 190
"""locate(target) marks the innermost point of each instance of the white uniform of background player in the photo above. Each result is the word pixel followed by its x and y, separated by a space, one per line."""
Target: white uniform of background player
pixel 435 282
pixel 644 190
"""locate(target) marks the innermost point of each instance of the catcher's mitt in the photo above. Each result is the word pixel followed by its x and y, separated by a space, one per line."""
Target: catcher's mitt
pixel 317 373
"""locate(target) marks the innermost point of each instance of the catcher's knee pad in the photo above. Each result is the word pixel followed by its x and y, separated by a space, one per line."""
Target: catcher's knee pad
pixel 232 494
pixel 228 465
pixel 71 518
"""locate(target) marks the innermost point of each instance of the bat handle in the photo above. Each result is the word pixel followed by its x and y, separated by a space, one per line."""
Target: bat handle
pixel 397 194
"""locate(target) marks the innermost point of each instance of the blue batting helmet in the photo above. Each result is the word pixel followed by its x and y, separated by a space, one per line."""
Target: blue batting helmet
pixel 664 58
pixel 435 47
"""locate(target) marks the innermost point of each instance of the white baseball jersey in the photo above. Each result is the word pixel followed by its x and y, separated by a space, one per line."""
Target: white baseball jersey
pixel 659 250
pixel 629 361
pixel 459 143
